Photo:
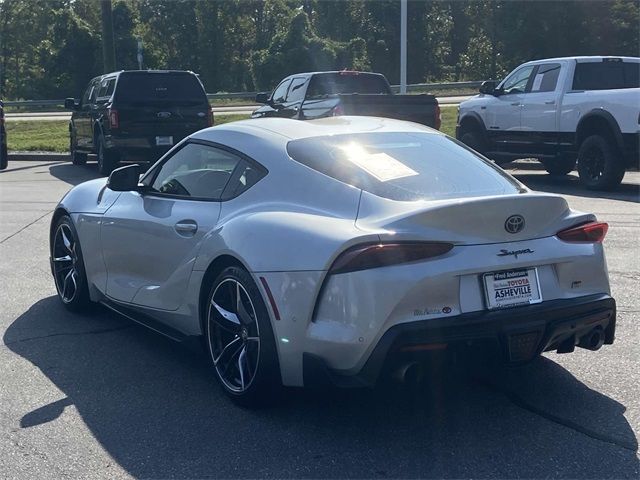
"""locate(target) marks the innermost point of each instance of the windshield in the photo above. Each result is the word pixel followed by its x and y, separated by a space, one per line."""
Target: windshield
pixel 333 83
pixel 403 166
pixel 164 88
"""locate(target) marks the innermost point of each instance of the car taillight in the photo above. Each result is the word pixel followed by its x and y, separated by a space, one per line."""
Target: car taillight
pixel 337 111
pixel 438 123
pixel 210 117
pixel 114 120
pixel 363 257
pixel 592 232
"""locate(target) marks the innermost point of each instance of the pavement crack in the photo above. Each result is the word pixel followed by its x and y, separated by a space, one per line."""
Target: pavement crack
pixel 25 227
pixel 70 334
pixel 565 422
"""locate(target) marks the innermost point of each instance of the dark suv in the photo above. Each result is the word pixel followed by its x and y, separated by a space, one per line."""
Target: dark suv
pixel 135 116
pixel 4 158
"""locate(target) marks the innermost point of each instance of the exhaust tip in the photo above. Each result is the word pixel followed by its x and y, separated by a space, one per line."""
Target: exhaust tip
pixel 409 373
pixel 593 340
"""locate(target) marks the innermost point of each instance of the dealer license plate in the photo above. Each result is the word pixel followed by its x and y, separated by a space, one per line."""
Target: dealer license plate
pixel 163 141
pixel 511 288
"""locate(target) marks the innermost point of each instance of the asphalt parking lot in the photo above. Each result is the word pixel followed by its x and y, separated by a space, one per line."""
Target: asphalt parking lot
pixel 100 397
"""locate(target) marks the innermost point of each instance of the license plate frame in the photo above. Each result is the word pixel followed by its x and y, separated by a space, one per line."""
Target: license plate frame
pixel 521 285
pixel 164 141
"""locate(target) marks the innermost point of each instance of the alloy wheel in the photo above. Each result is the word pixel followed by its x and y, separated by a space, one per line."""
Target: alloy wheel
pixel 594 163
pixel 233 335
pixel 65 259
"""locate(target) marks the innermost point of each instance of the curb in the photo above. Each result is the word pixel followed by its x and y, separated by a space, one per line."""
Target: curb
pixel 38 157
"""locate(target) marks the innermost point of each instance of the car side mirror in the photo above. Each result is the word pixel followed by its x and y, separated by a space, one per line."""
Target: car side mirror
pixel 262 97
pixel 124 179
pixel 71 103
pixel 488 87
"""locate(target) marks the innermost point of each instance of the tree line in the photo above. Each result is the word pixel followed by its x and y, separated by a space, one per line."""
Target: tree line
pixel 51 48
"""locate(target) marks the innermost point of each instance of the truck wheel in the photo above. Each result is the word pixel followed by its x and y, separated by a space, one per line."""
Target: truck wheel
pixel 76 157
pixel 473 139
pixel 599 164
pixel 107 159
pixel 560 165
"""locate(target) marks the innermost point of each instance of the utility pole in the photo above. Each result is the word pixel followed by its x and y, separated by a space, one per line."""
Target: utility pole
pixel 139 55
pixel 108 47
pixel 403 46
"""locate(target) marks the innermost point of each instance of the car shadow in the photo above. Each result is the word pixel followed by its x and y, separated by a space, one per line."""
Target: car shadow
pixel 155 409
pixel 74 174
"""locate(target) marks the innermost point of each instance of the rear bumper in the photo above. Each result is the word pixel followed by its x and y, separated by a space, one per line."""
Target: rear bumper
pixel 520 334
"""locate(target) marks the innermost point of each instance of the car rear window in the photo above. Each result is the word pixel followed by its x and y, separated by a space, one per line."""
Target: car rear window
pixel 612 74
pixel 332 83
pixel 404 166
pixel 160 88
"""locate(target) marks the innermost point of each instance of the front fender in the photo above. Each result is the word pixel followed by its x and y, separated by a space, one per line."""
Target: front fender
pixel 89 197
pixel 86 204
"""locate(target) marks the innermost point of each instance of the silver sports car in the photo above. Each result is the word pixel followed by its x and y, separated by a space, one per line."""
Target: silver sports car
pixel 322 252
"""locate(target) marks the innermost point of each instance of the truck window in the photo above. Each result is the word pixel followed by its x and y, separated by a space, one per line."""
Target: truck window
pixel 86 97
pixel 546 78
pixel 280 93
pixel 518 80
pixel 339 82
pixel 147 88
pixel 606 75
pixel 106 88
pixel 296 90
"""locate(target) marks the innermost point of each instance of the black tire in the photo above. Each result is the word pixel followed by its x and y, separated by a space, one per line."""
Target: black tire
pixel 473 139
pixel 560 165
pixel 77 158
pixel 254 381
pixel 107 159
pixel 600 165
pixel 67 267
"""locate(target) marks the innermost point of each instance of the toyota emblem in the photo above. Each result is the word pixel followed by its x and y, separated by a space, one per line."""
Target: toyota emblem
pixel 514 224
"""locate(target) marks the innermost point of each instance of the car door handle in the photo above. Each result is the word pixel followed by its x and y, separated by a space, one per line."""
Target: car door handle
pixel 550 102
pixel 516 104
pixel 186 228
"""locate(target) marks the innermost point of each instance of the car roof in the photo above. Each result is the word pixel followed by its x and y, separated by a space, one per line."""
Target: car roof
pixel 295 129
pixel 582 59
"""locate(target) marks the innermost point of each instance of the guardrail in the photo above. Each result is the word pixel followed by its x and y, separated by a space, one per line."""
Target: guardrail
pixel 37 104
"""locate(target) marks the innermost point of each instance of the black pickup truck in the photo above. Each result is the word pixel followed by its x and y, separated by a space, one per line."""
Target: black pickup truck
pixel 135 116
pixel 307 96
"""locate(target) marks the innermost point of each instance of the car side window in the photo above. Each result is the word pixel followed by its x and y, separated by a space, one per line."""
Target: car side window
pixel 196 171
pixel 518 80
pixel 296 90
pixel 245 176
pixel 280 93
pixel 546 78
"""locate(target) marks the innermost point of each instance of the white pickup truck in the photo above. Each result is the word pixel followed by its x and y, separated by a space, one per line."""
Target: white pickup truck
pixel 561 110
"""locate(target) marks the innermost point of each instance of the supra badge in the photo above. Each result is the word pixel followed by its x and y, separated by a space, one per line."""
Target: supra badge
pixel 515 253
pixel 514 224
